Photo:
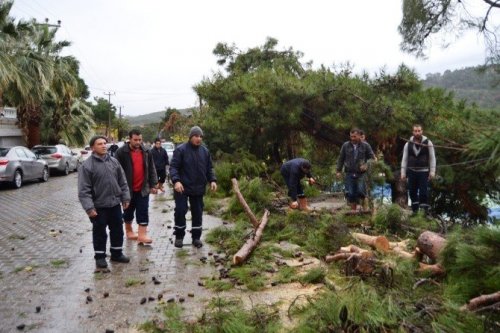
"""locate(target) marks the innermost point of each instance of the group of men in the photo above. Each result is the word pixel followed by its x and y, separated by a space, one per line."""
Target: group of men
pixel 107 184
pixel 418 166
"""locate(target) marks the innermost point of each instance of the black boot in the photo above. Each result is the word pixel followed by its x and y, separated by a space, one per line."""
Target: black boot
pixel 120 258
pixel 178 242
pixel 101 263
pixel 197 243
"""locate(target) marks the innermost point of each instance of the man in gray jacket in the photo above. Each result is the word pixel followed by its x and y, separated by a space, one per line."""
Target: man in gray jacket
pixel 102 187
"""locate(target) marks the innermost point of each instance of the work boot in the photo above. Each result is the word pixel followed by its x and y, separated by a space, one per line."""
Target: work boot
pixel 294 205
pixel 101 263
pixel 303 204
pixel 178 243
pixel 143 235
pixel 197 243
pixel 121 258
pixel 130 232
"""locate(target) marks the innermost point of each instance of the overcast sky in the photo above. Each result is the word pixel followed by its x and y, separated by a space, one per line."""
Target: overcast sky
pixel 152 52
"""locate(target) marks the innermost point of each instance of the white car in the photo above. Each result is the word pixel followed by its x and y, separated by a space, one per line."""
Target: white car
pixel 169 147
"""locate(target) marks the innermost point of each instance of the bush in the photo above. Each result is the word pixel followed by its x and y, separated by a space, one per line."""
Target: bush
pixel 256 194
pixel 390 218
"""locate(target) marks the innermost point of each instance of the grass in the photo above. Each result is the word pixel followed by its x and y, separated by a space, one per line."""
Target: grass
pixel 58 263
pixel 218 285
pixel 16 236
pixel 133 282
pixel 182 253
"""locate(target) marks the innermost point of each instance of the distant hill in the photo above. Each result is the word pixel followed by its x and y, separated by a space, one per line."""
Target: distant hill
pixel 153 117
pixel 480 87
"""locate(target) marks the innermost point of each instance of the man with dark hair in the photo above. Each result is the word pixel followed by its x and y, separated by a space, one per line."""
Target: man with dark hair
pixel 190 171
pixel 160 158
pixel 293 171
pixel 353 157
pixel 419 165
pixel 102 186
pixel 137 162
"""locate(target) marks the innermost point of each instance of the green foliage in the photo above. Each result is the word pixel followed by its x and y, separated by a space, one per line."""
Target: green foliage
pixel 472 263
pixel 390 218
pixel 256 193
pixel 218 285
pixel 286 274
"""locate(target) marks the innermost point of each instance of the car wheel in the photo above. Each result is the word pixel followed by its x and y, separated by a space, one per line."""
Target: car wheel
pixel 18 179
pixel 45 175
pixel 66 169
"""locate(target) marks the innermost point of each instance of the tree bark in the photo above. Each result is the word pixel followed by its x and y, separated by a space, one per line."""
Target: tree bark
pixel 378 242
pixel 252 242
pixel 242 201
pixel 435 270
pixel 399 191
pixel 481 301
pixel 430 244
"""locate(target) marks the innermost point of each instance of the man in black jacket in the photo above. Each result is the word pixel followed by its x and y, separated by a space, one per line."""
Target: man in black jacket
pixel 137 162
pixel 190 171
pixel 293 171
pixel 353 158
pixel 160 158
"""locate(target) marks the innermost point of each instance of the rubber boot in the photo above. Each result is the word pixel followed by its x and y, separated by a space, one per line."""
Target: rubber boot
pixel 143 235
pixel 130 232
pixel 303 204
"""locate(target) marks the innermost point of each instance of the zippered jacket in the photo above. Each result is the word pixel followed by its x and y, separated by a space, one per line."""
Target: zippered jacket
pixel 102 183
pixel 350 160
pixel 150 177
pixel 192 166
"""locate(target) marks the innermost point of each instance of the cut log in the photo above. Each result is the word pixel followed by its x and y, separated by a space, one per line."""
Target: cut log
pixel 243 203
pixel 403 253
pixel 430 244
pixel 380 243
pixel 252 242
pixel 434 270
pixel 481 301
pixel 354 249
pixel 340 256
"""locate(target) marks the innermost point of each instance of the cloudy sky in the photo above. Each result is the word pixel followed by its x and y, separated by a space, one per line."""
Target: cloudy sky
pixel 150 53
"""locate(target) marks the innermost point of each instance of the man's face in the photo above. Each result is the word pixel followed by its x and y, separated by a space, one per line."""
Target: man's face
pixel 99 147
pixel 135 141
pixel 196 140
pixel 362 137
pixel 417 132
pixel 355 138
pixel 158 144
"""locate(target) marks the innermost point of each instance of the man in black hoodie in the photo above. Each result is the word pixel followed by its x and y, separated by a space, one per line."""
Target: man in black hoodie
pixel 190 171
pixel 160 158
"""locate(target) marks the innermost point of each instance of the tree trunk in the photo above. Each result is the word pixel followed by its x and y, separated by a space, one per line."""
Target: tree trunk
pixel 33 135
pixel 252 242
pixel 378 242
pixel 430 244
pixel 242 201
pixel 399 190
pixel 435 270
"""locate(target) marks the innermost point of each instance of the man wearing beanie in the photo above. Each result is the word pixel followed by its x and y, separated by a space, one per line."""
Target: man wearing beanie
pixel 102 186
pixel 190 171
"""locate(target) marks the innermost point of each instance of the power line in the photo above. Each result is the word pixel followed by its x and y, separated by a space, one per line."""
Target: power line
pixel 109 112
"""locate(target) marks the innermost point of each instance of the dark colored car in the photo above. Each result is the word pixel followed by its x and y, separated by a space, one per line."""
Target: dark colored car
pixel 19 164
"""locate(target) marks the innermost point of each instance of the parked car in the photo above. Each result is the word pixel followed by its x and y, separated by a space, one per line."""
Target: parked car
pixel 169 147
pixel 18 164
pixel 59 157
pixel 82 154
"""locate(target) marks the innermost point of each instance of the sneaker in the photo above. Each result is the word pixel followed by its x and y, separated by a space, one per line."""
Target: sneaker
pixel 121 258
pixel 197 243
pixel 101 263
pixel 178 243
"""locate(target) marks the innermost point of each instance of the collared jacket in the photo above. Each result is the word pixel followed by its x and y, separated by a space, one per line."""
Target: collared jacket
pixel 150 178
pixel 292 172
pixel 102 183
pixel 419 157
pixel 192 166
pixel 160 157
pixel 351 160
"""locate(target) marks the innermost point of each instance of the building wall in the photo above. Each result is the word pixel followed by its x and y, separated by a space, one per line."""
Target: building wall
pixel 10 134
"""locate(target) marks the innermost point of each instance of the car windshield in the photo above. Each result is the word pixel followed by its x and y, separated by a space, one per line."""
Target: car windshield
pixel 44 150
pixel 168 146
pixel 4 151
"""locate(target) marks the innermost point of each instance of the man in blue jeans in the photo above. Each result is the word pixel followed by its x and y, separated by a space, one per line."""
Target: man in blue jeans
pixel 190 171
pixel 353 158
pixel 138 165
pixel 293 171
pixel 419 165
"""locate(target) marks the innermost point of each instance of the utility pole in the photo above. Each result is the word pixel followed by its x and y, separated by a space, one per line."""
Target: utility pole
pixel 120 121
pixel 108 131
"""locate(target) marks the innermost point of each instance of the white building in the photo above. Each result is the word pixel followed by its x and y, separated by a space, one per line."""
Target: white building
pixel 10 134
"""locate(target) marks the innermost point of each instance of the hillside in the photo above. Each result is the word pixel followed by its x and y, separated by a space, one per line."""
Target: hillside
pixel 480 87
pixel 153 117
